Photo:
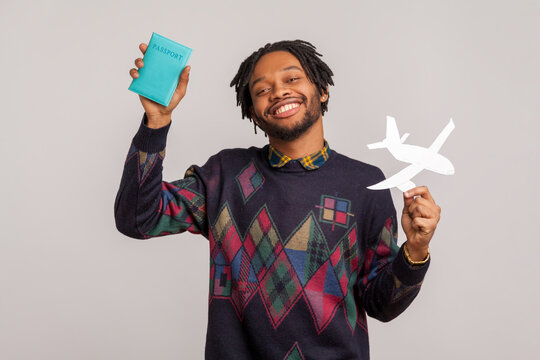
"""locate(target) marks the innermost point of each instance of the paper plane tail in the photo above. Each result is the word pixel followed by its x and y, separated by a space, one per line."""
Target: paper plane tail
pixel 392 132
pixel 377 145
pixel 392 135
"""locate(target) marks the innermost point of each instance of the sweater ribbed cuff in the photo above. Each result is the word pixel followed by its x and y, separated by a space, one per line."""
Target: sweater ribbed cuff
pixel 151 140
pixel 406 273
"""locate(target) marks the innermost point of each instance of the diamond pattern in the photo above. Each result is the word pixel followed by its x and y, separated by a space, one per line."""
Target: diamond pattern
pixel 280 289
pixel 185 210
pixel 323 295
pixel 345 258
pixel 225 235
pixel 262 243
pixel 250 179
pixel 382 252
pixel 147 162
pixel 294 353
pixel 297 245
pixel 244 282
pixel 283 273
pixel 317 251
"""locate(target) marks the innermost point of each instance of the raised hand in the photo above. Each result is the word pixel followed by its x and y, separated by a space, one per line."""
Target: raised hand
pixel 419 220
pixel 157 114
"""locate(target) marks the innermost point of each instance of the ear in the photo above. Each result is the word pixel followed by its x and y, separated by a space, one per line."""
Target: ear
pixel 324 97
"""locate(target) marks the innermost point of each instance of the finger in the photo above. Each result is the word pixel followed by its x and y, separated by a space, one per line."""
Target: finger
pixel 184 76
pixel 419 191
pixel 427 207
pixel 434 209
pixel 426 203
pixel 134 73
pixel 420 210
pixel 183 81
pixel 426 226
pixel 143 48
pixel 139 63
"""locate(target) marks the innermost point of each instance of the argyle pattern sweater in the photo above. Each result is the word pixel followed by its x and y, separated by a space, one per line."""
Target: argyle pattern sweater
pixel 297 257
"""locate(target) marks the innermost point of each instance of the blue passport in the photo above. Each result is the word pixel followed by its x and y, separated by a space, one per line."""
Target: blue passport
pixel 163 60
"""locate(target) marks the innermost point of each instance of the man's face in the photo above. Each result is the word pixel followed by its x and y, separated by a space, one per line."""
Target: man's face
pixel 285 102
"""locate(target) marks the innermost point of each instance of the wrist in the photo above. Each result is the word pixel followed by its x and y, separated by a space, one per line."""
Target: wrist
pixel 156 121
pixel 416 255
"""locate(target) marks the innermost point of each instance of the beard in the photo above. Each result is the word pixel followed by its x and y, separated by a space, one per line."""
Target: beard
pixel 313 113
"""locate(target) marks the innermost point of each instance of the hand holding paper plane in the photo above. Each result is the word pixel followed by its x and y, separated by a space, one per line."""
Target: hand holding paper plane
pixel 418 157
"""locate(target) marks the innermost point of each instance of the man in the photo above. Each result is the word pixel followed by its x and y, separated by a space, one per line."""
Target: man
pixel 300 250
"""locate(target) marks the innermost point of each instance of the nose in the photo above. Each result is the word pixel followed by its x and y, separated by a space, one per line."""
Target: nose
pixel 449 167
pixel 279 91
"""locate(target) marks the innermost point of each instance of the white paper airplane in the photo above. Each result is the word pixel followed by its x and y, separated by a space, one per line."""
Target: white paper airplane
pixel 419 157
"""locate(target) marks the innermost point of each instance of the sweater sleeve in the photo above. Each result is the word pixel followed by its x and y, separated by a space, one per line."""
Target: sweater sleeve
pixel 387 283
pixel 146 206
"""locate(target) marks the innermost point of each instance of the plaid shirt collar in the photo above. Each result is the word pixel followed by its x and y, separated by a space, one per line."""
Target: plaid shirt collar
pixel 309 162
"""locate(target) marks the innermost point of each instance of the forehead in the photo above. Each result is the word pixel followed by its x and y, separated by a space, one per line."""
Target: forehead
pixel 273 62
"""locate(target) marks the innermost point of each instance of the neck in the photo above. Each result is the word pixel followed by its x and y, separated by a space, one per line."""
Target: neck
pixel 308 143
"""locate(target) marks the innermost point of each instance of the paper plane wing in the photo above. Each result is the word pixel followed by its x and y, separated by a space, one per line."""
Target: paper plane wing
pixel 439 141
pixel 401 178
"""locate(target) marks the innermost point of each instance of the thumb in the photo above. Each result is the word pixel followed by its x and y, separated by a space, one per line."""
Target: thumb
pixel 407 201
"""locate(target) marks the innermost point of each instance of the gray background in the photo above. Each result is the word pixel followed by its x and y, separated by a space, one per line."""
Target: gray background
pixel 72 287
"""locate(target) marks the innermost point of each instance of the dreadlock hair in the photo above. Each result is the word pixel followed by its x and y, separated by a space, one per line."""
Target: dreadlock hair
pixel 316 70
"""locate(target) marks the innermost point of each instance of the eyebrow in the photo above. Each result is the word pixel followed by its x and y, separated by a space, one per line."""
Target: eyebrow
pixel 293 67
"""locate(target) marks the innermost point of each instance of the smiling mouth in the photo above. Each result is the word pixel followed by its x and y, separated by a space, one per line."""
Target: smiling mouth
pixel 286 110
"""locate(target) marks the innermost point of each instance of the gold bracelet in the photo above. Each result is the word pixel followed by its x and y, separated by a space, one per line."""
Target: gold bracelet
pixel 411 261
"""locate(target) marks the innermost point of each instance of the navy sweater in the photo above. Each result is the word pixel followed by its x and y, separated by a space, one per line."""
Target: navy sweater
pixel 297 257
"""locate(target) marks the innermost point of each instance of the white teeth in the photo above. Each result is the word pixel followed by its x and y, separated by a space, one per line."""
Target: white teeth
pixel 286 108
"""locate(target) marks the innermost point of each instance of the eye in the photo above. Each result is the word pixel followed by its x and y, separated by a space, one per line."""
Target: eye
pixel 293 79
pixel 262 91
